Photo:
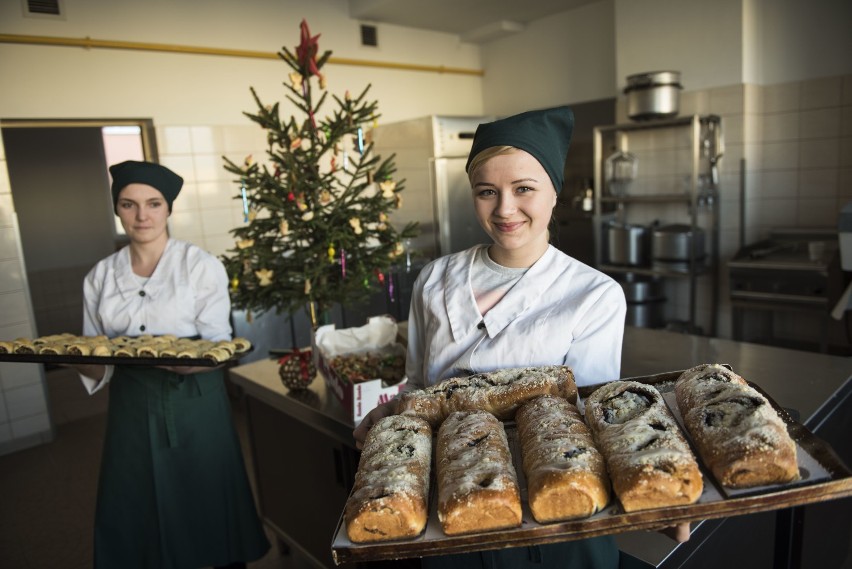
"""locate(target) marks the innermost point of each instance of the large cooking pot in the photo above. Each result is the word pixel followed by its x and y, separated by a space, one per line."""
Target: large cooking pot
pixel 653 95
pixel 673 242
pixel 628 244
pixel 645 300
pixel 638 288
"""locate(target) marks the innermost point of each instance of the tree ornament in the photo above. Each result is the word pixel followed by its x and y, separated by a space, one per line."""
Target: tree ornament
pixel 296 80
pixel 235 283
pixel 381 276
pixel 245 243
pixel 297 370
pixel 387 187
pixel 264 276
pixel 291 197
pixel 295 143
pixel 284 228
pixel 342 263
pixel 355 223
pixel 245 202
pixel 325 197
pixel 307 216
pixel 307 286
pixel 330 253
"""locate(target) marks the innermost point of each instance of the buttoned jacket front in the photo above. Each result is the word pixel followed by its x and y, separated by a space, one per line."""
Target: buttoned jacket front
pixel 561 312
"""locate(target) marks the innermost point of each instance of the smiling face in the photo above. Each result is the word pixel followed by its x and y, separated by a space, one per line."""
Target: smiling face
pixel 143 212
pixel 514 200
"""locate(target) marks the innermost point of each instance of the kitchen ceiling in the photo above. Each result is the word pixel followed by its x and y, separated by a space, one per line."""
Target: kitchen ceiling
pixel 475 21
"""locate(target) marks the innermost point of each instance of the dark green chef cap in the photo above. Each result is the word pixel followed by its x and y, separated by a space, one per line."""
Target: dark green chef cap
pixel 155 175
pixel 545 134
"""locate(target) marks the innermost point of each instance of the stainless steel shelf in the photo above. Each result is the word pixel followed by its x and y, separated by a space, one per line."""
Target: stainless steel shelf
pixel 691 199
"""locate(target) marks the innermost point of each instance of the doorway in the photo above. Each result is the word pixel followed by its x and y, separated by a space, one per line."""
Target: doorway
pixel 60 188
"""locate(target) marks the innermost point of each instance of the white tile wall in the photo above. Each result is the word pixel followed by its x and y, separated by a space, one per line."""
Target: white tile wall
pixel 24 419
pixel 207 210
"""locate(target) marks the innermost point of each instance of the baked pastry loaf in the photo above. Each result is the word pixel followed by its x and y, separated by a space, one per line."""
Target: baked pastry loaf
pixel 477 484
pixel 649 461
pixel 738 434
pixel 499 392
pixel 566 475
pixel 390 495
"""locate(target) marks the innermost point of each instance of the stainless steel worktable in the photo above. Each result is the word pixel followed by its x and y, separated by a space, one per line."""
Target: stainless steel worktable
pixel 814 386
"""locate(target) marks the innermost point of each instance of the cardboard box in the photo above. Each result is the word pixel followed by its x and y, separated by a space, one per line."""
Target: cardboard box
pixel 379 335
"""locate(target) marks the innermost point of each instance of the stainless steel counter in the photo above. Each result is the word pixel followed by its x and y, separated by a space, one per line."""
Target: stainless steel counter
pixel 813 385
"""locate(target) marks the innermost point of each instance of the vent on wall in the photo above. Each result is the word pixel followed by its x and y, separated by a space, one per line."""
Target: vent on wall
pixel 369 35
pixel 44 8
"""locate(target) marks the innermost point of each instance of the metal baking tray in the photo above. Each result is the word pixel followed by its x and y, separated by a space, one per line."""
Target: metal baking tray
pixel 68 359
pixel 824 477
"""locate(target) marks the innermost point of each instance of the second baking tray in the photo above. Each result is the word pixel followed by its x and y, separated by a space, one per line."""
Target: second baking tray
pixel 824 477
pixel 67 359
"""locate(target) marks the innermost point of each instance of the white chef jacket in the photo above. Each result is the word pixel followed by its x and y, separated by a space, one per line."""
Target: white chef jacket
pixel 561 312
pixel 187 295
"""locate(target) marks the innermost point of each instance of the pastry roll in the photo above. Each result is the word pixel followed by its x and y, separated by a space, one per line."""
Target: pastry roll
pixel 229 347
pixel 23 346
pixel 242 344
pixel 477 484
pixel 566 475
pixel 218 355
pixel 168 352
pixel 51 349
pixel 188 353
pixel 79 349
pixel 147 351
pixel 102 350
pixel 498 392
pixel 649 461
pixel 389 499
pixel 738 434
pixel 125 352
pixel 7 348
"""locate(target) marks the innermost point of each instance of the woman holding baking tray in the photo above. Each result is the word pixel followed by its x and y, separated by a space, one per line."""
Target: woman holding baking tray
pixel 517 302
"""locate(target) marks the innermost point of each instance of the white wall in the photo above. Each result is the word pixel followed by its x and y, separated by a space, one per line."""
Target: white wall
pixel 702 40
pixel 795 40
pixel 48 81
pixel 567 58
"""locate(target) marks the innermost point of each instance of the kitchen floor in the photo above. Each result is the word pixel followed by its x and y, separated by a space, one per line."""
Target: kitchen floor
pixel 48 492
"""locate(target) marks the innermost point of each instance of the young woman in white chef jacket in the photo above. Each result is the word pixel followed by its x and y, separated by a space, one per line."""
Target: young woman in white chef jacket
pixel 516 302
pixel 173 490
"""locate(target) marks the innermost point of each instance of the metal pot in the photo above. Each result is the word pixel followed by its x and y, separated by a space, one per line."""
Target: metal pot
pixel 645 314
pixel 628 244
pixel 639 288
pixel 674 242
pixel 653 95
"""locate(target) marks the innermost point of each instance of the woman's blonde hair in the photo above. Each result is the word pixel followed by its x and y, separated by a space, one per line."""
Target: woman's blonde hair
pixel 485 156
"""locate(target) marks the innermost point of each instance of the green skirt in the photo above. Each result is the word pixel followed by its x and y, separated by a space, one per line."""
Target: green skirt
pixel 173 490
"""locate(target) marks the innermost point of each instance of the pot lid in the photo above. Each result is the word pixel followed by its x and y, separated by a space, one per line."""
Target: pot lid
pixel 653 79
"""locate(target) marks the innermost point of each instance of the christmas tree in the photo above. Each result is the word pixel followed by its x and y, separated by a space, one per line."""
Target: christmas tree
pixel 317 229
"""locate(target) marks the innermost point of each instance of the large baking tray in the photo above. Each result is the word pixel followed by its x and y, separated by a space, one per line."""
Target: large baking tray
pixel 825 478
pixel 68 359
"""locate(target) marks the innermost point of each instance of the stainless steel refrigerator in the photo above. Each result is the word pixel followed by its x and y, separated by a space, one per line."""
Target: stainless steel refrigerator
pixel 431 153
